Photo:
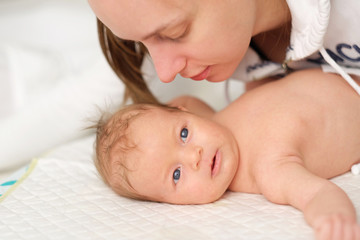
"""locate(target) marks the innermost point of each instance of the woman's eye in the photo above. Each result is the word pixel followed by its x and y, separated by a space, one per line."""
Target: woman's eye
pixel 177 37
pixel 176 34
pixel 184 134
pixel 169 38
pixel 176 175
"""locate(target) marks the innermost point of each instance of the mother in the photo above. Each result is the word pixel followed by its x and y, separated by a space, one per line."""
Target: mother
pixel 210 39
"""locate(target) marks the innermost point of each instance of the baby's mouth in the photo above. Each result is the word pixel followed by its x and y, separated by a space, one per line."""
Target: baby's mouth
pixel 213 164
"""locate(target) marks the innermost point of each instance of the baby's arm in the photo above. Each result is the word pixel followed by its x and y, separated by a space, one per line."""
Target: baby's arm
pixel 332 214
pixel 326 207
pixel 193 105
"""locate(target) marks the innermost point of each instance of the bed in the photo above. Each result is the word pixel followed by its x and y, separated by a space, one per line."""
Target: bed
pixel 52 83
pixel 61 196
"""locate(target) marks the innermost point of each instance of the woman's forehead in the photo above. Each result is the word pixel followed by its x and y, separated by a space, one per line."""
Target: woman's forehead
pixel 135 19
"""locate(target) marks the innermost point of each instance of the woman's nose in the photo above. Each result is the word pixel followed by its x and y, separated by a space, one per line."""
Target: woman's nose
pixel 168 62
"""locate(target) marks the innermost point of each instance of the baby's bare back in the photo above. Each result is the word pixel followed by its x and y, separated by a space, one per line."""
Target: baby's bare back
pixel 311 115
pixel 330 140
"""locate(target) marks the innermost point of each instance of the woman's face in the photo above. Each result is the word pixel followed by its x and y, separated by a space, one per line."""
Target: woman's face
pixel 199 39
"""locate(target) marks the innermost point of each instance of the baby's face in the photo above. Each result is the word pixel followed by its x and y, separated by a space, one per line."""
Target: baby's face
pixel 181 158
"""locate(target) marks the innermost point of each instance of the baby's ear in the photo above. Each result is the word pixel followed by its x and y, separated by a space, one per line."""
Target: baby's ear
pixel 182 108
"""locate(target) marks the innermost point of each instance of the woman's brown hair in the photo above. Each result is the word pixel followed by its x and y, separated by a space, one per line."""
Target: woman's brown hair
pixel 125 58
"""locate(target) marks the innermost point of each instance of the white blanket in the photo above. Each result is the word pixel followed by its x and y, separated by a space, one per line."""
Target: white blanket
pixel 63 198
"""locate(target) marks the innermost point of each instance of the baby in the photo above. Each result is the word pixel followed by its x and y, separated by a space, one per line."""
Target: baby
pixel 283 140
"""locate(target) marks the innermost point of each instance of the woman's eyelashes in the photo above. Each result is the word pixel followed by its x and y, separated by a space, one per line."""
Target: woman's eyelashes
pixel 169 38
pixel 176 175
pixel 184 134
pixel 174 35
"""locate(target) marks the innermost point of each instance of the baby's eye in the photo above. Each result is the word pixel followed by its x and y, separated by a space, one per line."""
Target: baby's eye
pixel 176 175
pixel 184 134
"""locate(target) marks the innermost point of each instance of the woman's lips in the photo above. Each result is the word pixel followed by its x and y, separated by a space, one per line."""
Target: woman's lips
pixel 203 75
pixel 215 167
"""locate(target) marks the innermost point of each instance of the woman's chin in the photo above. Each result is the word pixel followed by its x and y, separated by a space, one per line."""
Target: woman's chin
pixel 214 79
pixel 218 77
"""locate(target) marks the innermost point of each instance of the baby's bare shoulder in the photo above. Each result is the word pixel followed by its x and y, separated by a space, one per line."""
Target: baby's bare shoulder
pixel 278 174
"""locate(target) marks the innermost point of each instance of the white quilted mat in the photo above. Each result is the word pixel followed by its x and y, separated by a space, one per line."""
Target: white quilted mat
pixel 63 198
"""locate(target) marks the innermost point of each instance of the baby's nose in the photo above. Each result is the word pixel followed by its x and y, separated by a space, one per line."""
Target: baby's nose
pixel 196 157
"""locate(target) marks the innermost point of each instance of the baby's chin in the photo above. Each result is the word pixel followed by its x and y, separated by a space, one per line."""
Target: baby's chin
pixel 204 199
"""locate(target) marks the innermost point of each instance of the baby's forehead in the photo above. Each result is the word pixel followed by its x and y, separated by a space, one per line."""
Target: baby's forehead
pixel 138 121
pixel 145 121
pixel 152 125
pixel 153 114
pixel 130 115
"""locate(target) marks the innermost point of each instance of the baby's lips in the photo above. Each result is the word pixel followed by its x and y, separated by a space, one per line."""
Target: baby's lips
pixel 216 164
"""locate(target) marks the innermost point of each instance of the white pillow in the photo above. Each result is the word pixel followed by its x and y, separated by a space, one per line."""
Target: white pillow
pixel 59 115
pixel 26 74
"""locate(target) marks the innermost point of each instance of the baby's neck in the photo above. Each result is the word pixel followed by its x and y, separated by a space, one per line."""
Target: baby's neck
pixel 243 180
